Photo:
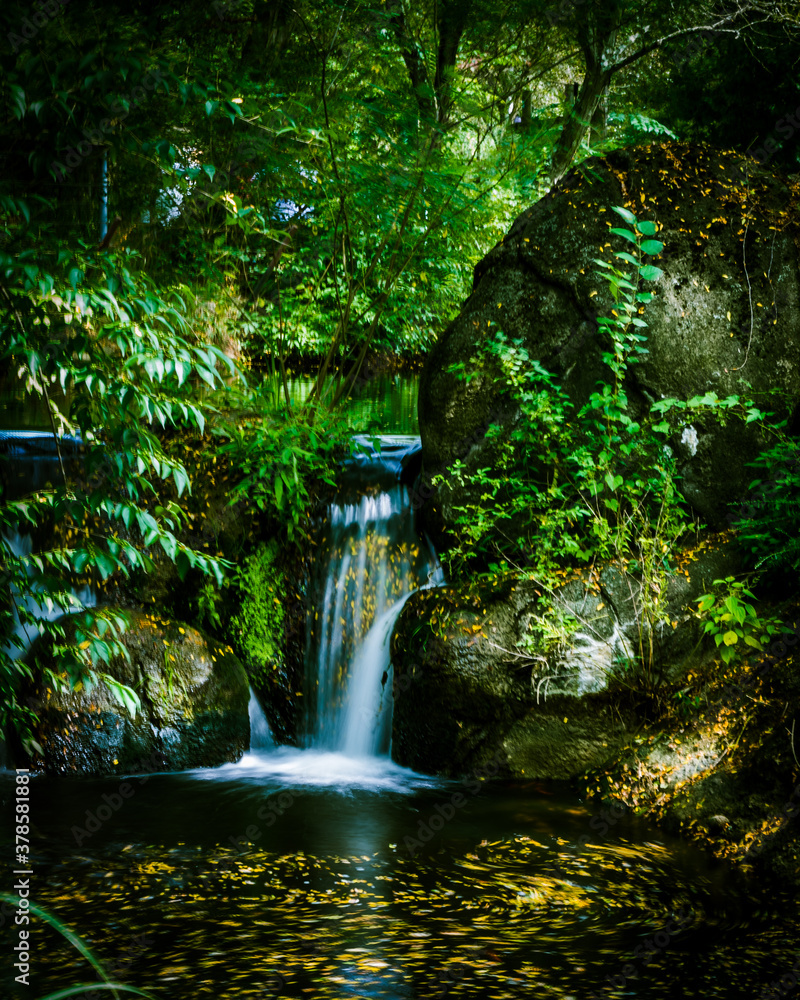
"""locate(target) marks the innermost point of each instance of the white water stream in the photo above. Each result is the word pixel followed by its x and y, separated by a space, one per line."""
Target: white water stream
pixel 374 560
pixel 370 560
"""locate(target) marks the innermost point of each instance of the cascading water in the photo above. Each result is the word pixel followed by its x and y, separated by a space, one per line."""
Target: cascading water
pixel 31 462
pixel 373 559
pixel 370 559
pixel 260 733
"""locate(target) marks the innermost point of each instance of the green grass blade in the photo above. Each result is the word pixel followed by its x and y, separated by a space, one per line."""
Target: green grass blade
pixel 70 935
pixel 71 991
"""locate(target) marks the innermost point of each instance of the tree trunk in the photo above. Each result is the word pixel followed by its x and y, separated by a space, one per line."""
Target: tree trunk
pixel 596 36
pixel 414 63
pixel 578 121
pixel 525 115
pixel 452 20
pixel 435 101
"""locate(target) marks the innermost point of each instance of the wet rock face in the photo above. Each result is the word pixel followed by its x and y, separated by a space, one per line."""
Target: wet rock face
pixel 194 695
pixel 466 692
pixel 476 680
pixel 726 312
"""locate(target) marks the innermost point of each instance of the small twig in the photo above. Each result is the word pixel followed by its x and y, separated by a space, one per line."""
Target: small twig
pixel 55 432
pixel 732 746
pixel 546 680
pixel 517 655
pixel 747 276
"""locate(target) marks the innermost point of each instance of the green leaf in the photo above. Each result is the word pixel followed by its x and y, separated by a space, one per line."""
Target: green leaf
pixel 86 988
pixel 125 695
pixel 730 638
pixel 652 247
pixel 206 374
pixel 181 479
pixel 626 234
pixel 624 213
pixel 649 272
pixel 65 931
pixel 646 228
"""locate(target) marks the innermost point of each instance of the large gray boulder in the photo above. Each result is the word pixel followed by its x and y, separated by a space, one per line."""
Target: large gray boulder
pixel 194 695
pixel 726 317
pixel 476 678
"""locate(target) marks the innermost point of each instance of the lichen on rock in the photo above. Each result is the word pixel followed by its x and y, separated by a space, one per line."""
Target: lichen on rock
pixel 194 696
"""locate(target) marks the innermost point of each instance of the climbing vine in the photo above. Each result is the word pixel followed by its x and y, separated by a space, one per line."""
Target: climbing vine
pixel 571 486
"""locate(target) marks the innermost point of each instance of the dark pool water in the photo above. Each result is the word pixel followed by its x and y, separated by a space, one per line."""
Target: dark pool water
pixel 308 874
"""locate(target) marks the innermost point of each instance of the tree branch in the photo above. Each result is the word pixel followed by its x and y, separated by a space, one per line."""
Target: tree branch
pixel 682 33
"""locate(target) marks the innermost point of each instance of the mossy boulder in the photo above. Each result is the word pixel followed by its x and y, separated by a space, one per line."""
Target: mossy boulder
pixel 267 628
pixel 469 689
pixel 194 706
pixel 727 773
pixel 725 318
pixel 492 671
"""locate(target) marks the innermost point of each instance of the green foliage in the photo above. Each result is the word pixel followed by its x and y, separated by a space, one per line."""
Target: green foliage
pixel 570 486
pixel 637 126
pixel 207 606
pixel 768 520
pixel 280 458
pixel 80 946
pixel 258 626
pixel 550 629
pixel 686 703
pixel 732 621
pixel 123 358
pixel 312 180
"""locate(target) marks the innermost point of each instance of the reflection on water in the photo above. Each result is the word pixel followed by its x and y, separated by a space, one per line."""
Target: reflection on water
pixel 292 877
pixel 387 403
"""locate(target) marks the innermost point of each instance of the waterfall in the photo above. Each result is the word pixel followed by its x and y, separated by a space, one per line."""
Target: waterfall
pixel 371 559
pixel 30 462
pixel 260 733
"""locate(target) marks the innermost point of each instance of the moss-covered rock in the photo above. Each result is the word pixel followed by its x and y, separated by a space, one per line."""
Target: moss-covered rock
pixel 194 696
pixel 492 669
pixel 469 688
pixel 727 773
pixel 267 628
pixel 725 319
